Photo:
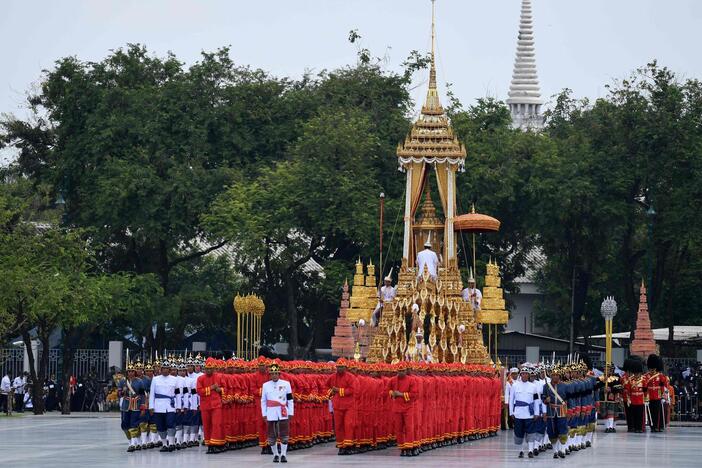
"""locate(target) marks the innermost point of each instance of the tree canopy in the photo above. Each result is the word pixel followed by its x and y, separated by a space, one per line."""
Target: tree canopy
pixel 184 185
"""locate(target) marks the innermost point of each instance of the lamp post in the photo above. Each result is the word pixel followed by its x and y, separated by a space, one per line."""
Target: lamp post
pixel 651 214
pixel 608 310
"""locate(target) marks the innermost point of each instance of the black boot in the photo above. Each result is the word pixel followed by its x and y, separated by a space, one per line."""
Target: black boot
pixel 283 459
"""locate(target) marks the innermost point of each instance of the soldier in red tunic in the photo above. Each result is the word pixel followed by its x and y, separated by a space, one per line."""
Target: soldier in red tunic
pixel 210 389
pixel 634 391
pixel 656 383
pixel 342 388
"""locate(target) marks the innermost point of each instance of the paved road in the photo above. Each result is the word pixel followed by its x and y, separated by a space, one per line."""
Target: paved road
pixel 57 442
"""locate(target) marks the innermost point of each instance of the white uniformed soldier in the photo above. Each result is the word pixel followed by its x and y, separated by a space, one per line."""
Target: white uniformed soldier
pixel 162 405
pixel 277 407
pixel 522 406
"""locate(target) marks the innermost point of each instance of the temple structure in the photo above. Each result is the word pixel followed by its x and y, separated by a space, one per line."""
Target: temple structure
pixel 524 95
pixel 343 342
pixel 428 319
pixel 643 343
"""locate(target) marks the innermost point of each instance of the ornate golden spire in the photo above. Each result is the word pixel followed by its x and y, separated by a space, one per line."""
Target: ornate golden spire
pixel 432 105
pixel 431 139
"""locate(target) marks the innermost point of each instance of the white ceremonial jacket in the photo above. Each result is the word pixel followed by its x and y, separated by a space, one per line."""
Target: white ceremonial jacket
pixel 508 391
pixel 162 395
pixel 388 293
pixel 475 301
pixel 279 391
pixel 182 397
pixel 427 257
pixel 521 398
pixel 5 386
pixel 194 397
pixel 18 383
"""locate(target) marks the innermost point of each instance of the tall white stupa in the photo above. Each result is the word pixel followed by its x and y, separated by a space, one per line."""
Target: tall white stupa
pixel 524 94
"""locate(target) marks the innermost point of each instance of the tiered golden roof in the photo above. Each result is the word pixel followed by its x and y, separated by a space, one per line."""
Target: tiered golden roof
pixel 431 138
pixel 492 308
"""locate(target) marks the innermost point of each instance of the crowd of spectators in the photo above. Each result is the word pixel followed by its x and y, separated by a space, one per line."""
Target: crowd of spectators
pixel 87 393
pixel 687 383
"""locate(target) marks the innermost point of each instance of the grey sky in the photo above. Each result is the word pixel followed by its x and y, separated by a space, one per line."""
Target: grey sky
pixel 580 44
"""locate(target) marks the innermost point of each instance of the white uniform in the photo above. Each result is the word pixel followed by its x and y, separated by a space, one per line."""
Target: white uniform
pixel 279 391
pixel 5 385
pixel 523 392
pixel 18 383
pixel 388 293
pixel 194 397
pixel 508 390
pixel 427 257
pixel 165 387
pixel 476 300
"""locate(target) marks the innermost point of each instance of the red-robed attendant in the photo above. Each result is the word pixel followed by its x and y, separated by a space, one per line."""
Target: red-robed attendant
pixel 403 390
pixel 342 387
pixel 209 388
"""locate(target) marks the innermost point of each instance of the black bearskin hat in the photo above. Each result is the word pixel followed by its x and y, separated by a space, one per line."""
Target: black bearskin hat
pixel 654 362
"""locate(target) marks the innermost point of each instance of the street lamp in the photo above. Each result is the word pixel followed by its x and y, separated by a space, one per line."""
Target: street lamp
pixel 608 310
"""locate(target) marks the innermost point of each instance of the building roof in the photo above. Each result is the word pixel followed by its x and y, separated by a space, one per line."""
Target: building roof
pixel 548 338
pixel 680 333
pixel 535 260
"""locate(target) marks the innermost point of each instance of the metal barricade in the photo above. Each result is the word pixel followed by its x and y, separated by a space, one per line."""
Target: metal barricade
pixel 11 362
pixel 687 408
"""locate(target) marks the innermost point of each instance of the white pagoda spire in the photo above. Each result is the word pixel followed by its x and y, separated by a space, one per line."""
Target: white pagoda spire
pixel 524 95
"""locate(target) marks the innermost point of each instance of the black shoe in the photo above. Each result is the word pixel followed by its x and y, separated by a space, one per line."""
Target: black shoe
pixel 536 452
pixel 614 429
pixel 521 455
pixel 531 454
pixel 211 450
pixel 276 459
pixel 283 459
pixel 561 455
pixel 588 444
pixel 130 448
pixel 150 445
pixel 159 443
pixel 171 448
pixel 555 455
pixel 137 447
pixel 549 446
pixel 567 451
pixel 163 449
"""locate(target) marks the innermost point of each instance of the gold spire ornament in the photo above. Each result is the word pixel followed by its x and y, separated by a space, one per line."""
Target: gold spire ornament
pixel 249 314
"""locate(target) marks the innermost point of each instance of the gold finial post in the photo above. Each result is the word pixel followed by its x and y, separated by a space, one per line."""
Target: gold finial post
pixel 432 70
